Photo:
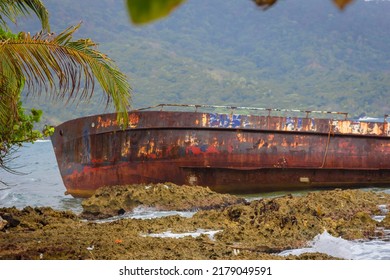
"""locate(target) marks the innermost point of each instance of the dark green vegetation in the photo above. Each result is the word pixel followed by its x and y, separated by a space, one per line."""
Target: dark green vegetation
pixel 302 54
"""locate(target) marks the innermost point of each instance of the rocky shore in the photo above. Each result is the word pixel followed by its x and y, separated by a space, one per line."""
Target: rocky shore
pixel 108 202
pixel 240 229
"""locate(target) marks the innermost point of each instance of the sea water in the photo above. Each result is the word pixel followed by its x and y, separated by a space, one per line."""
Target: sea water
pixel 345 249
pixel 39 184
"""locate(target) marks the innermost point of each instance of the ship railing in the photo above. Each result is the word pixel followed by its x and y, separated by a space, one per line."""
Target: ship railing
pixel 240 108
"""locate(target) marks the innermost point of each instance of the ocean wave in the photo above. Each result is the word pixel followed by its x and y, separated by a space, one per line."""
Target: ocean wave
pixel 345 249
pixel 42 141
pixel 146 213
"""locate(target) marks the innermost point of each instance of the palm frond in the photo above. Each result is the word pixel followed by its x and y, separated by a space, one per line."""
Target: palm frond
pixel 11 9
pixel 9 97
pixel 64 68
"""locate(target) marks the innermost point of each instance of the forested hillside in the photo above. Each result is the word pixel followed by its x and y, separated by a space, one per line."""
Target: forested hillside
pixel 303 54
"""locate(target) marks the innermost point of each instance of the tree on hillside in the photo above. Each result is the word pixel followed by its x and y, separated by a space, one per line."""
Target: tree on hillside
pixel 56 64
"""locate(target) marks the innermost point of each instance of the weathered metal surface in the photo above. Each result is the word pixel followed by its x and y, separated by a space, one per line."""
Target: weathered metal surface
pixel 235 153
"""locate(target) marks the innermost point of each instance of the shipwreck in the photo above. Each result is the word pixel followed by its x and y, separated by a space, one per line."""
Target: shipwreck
pixel 229 149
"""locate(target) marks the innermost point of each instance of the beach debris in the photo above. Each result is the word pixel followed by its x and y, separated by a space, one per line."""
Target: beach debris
pixel 3 223
pixel 90 248
pixel 8 221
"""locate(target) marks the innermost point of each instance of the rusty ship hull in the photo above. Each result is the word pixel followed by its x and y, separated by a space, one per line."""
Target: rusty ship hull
pixel 228 152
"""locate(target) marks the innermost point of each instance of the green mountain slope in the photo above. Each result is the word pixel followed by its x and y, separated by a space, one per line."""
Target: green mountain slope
pixel 302 54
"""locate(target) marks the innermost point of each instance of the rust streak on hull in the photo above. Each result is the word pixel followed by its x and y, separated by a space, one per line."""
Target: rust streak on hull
pixel 236 153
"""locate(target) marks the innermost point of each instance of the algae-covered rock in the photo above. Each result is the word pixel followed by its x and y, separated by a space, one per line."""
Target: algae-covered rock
pixel 66 237
pixel 31 219
pixel 289 222
pixel 256 230
pixel 115 200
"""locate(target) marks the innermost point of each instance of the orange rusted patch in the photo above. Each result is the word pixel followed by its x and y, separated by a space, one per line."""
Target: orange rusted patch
pixel 133 120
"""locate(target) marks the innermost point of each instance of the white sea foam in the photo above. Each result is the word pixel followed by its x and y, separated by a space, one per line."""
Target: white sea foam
pixel 341 248
pixel 383 208
pixel 151 213
pixel 42 141
pixel 145 213
pixel 169 234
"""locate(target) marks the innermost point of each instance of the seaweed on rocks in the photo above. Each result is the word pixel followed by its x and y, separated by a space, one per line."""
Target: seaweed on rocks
pixel 117 200
pixel 256 230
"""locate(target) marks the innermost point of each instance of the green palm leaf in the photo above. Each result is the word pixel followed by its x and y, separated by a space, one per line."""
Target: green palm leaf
pixel 65 68
pixel 11 9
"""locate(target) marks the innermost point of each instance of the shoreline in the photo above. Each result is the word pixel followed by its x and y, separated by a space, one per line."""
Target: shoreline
pixel 257 229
